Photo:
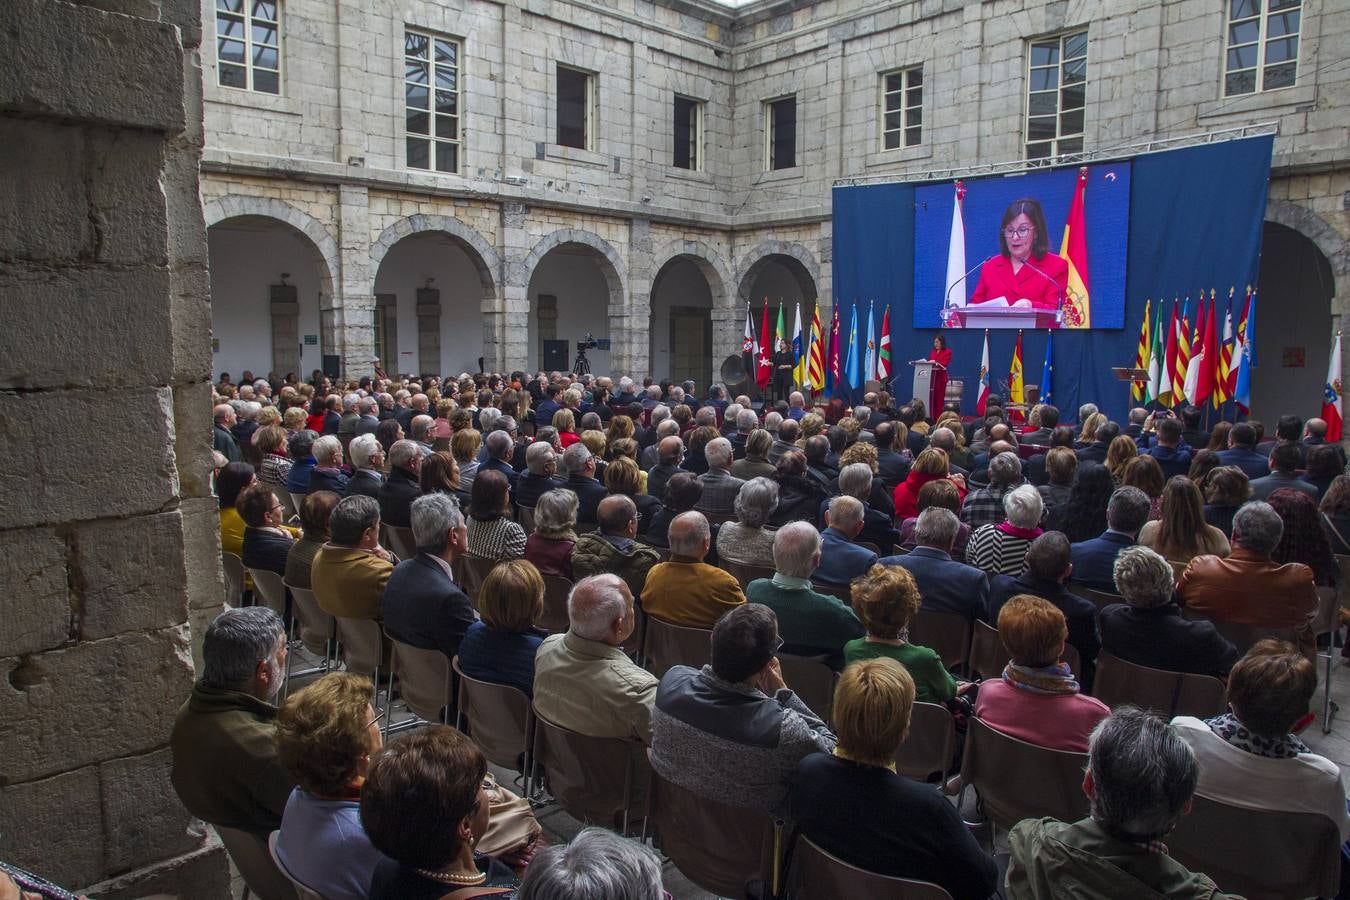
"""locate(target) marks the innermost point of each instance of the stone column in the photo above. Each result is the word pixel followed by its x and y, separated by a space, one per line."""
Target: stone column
pixel 352 322
pixel 511 326
pixel 105 253
pixel 632 329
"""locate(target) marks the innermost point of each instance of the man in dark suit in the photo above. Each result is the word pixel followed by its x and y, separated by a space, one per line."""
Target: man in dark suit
pixel 543 413
pixel 1049 419
pixel 369 420
pixel 1136 424
pixel 401 488
pixel 945 585
pixel 841 560
pixel 669 454
pixel 1049 565
pixel 1095 559
pixel 1242 453
pixel 1096 451
pixel 817 451
pixel 539 477
pixel 1283 463
pixel 500 448
pixel 422 605
pixel 579 465
pixel 855 480
pixel 223 440
pixel 1173 456
pixel 1062 436
pixel 892 467
pixel 1192 435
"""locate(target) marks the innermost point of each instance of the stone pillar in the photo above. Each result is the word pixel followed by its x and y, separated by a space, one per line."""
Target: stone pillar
pixel 512 323
pixel 428 330
pixel 632 330
pixel 352 320
pixel 285 310
pixel 105 255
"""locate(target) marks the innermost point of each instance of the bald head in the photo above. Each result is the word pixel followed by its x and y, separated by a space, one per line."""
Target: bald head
pixel 617 515
pixel 670 449
pixel 690 535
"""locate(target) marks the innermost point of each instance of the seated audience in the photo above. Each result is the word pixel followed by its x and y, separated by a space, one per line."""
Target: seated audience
pixel 1094 560
pixel 1148 629
pixel 720 487
pixel 498 450
pixel 614 548
pixel 1145 473
pixel 1324 464
pixel 1084 516
pixel 855 480
pixel 539 476
pixel 747 540
pixel 1285 459
pixel 682 493
pixel 230 483
pixel 492 535
pixel 734 731
pixel 841 560
pixel 811 624
pixel 315 512
pixel 596 865
pixel 1226 489
pixel 464 447
pixel 1000 549
pixel 623 478
pixel 947 586
pixel 267 540
pixel 931 465
pixel 686 590
pixel 1120 454
pixel 422 605
pixel 302 461
pixel 271 441
pixel 1182 533
pixel 1139 783
pixel 501 646
pixel 440 475
pixel 853 805
pixel 327 474
pixel 1242 453
pixel 1202 463
pixel 799 497
pixel 327 734
pixel 669 455
pixel 1168 449
pixel 1060 466
pixel 755 463
pixel 1037 700
pixel 887 602
pixel 1302 539
pixel 945 495
pixel 549 547
pixel 225 768
pixel 1335 514
pixel 402 487
pixel 984 506
pixel 368 457
pixel 350 571
pixel 580 463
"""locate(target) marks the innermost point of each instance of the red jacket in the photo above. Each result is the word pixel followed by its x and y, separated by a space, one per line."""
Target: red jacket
pixel 1041 288
pixel 907 493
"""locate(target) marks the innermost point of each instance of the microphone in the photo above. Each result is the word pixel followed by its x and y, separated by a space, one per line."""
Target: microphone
pixel 946 301
pixel 1059 289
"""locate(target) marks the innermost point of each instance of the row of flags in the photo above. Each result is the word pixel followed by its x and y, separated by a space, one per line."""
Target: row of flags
pixel 1198 363
pixel 821 362
pixel 1017 389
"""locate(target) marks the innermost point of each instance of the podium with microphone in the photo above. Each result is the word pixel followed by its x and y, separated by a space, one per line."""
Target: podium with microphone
pixel 1001 312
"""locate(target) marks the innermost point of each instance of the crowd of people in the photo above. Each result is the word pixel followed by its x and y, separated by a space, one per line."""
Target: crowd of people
pixel 856 522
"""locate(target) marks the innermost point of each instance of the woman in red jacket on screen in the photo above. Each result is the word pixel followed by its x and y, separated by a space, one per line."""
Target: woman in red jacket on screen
pixel 1025 269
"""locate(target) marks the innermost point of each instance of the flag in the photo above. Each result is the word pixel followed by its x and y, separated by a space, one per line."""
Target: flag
pixel 780 332
pixel 764 363
pixel 956 250
pixel 816 367
pixel 833 373
pixel 749 346
pixel 870 360
pixel 1166 394
pixel 1157 356
pixel 1078 309
pixel 1239 338
pixel 1223 376
pixel 1331 398
pixel 799 360
pixel 1209 378
pixel 1196 382
pixel 884 349
pixel 1138 389
pixel 1016 389
pixel 853 366
pixel 1048 369
pixel 1179 394
pixel 1242 392
pixel 983 403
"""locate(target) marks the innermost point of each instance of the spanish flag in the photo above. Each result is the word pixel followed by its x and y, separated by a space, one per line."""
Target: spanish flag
pixel 1074 250
pixel 1016 392
pixel 1138 389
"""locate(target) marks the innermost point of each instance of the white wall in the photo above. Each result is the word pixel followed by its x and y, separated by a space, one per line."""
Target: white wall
pixel 404 269
pixel 247 256
pixel 583 304
pixel 678 284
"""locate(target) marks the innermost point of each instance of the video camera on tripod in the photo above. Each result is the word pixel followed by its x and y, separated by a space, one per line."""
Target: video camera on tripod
pixel 582 366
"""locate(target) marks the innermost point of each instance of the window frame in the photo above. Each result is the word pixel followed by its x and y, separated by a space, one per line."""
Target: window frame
pixel 1259 69
pixel 430 137
pixel 247 18
pixel 770 129
pixel 1061 61
pixel 697 126
pixel 588 124
pixel 905 73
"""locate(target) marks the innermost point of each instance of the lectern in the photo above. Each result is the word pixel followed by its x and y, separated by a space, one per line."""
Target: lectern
pixel 923 378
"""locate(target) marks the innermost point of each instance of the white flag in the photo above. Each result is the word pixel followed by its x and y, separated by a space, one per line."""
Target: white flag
pixel 956 253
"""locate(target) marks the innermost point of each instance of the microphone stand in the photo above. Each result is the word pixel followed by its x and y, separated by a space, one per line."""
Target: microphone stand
pixel 1059 291
pixel 947 307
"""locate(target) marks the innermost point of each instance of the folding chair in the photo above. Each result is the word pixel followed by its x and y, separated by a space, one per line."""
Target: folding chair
pixel 988 656
pixel 425 682
pixel 930 745
pixel 946 633
pixel 1169 694
pixel 597 780
pixel 556 590
pixel 1017 780
pixel 315 624
pixel 842 591
pixel 301 891
pixel 363 646
pixel 667 645
pixel 233 564
pixel 254 862
pixel 812 681
pixel 816 874
pixel 744 573
pixel 499 718
pixel 270 588
pixel 525 516
pixel 401 541
pixel 475 570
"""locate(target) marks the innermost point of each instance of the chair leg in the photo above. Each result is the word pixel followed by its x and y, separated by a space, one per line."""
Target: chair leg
pixel 1328 708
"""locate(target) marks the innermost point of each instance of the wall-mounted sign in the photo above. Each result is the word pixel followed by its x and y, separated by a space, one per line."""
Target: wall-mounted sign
pixel 215 345
pixel 311 340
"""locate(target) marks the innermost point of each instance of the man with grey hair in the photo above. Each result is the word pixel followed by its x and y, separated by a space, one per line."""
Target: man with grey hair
pixel 720 487
pixel 223 439
pixel 349 572
pixel 772 422
pixel 368 458
pixel 785 441
pixel 1094 560
pixel 1148 629
pixel 225 766
pixel 728 426
pixel 985 506
pixel 1248 587
pixel 855 480
pixel 422 605
pixel 421 432
pixel 796 406
pixel 1140 779
pixel 351 416
pixel 746 422
pixel 810 623
pixel 583 680
pixel 946 586
pixel 368 418
pixel 401 488
pixel 499 448
pixel 418 405
pixel 650 457
pixel 579 464
pixel 841 560
pixel 614 547
pixel 327 474
pixel 596 865
pixel 686 590
pixel 540 475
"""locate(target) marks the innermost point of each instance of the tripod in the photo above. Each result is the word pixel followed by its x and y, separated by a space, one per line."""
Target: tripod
pixel 582 366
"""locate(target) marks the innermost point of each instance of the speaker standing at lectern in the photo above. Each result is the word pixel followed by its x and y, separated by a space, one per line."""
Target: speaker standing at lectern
pixel 937 393
pixel 1025 269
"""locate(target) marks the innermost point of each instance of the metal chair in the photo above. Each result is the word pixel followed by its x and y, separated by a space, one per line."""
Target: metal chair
pixel 363 646
pixel 930 745
pixel 425 681
pixel 744 573
pixel 1328 622
pixel 946 633
pixel 1017 780
pixel 1259 853
pixel 719 847
pixel 667 645
pixel 525 516
pixel 812 681
pixel 233 564
pixel 1169 694
pixel 268 587
pixel 254 862
pixel 286 500
pixel 597 780
pixel 301 891
pixel 401 541
pixel 500 719
pixel 816 874
pixel 1100 599
pixel 315 623
pixel 556 590
pixel 988 656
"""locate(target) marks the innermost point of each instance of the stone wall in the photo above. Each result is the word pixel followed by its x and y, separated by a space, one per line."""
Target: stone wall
pixel 110 552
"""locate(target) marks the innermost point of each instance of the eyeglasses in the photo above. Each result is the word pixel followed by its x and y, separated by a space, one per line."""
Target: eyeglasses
pixel 378 717
pixel 1020 231
pixel 778 643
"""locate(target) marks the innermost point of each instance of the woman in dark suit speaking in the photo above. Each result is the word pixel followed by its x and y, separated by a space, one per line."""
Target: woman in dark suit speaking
pixel 1025 269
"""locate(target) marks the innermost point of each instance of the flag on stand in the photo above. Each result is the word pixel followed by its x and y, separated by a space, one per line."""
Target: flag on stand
pixel 1078 306
pixel 870 360
pixel 1239 338
pixel 956 250
pixel 1198 365
pixel 1179 395
pixel 1048 369
pixel 764 359
pixel 749 346
pixel 883 370
pixel 1016 388
pixel 1242 392
pixel 780 333
pixel 1139 389
pixel 1221 381
pixel 816 367
pixel 833 372
pixel 1331 399
pixel 1213 352
pixel 983 403
pixel 853 366
pixel 1166 393
pixel 1157 357
pixel 798 351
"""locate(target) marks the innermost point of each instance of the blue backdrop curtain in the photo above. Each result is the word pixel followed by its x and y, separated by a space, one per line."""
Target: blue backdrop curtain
pixel 1195 223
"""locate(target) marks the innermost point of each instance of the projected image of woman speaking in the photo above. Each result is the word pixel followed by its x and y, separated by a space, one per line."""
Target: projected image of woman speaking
pixel 1025 270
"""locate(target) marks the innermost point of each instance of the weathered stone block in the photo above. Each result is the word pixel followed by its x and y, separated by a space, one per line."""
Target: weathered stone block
pixel 143 819
pixel 91 702
pixel 43 216
pixel 130 574
pixel 203 874
pixel 126 203
pixel 192 449
pixel 37 609
pixel 54 826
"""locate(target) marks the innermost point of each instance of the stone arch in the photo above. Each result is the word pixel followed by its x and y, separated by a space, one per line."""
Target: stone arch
pixel 609 264
pixel 724 319
pixel 708 261
pixel 232 206
pixel 806 271
pixel 615 273
pixel 483 255
pixel 1316 229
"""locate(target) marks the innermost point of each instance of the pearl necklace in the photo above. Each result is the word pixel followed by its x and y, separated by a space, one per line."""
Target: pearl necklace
pixel 453 878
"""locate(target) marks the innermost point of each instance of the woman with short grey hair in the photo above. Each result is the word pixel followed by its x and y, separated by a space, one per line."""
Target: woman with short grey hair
pixel 550 546
pixel 746 540
pixel 1001 549
pixel 597 865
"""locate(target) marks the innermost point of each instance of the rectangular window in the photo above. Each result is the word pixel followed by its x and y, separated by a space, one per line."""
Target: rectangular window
pixel 780 134
pixel 1056 95
pixel 902 108
pixel 431 99
pixel 576 108
pixel 1262 45
pixel 688 134
pixel 248 45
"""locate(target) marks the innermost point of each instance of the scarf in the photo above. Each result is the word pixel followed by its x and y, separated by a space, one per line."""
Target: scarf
pixel 1026 534
pixel 1056 679
pixel 843 754
pixel 1230 728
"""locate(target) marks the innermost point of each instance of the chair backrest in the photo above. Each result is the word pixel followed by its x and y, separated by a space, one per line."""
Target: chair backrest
pixel 317 626
pixel 744 573
pixel 297 500
pixel 945 633
pixel 1169 694
pixel 819 875
pixel 1073 658
pixel 555 618
pixel 930 744
pixel 500 718
pixel 988 656
pixel 254 862
pixel 1244 636
pixel 667 645
pixel 424 677
pixel 475 569
pixel 525 516
pixel 1018 780
pixel 301 891
pixel 233 565
pixel 1100 599
pixel 593 778
pixel 812 681
pixel 1328 617
pixel 842 591
pixel 401 541
pixel 1259 853
pixel 363 640
pixel 284 498
pixel 719 847
pixel 270 587
pixel 868 545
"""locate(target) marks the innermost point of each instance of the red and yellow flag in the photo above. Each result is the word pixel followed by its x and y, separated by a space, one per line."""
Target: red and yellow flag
pixel 1016 387
pixel 1183 355
pixel 1138 389
pixel 1073 248
pixel 815 366
pixel 1222 394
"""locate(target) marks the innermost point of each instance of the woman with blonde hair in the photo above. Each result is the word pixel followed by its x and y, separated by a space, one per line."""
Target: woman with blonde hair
pixel 811 425
pixel 1088 433
pixel 293 420
pixel 464 447
pixel 620 427
pixel 1181 533
pixel 566 423
pixel 500 647
pixel 1119 452
pixel 276 462
pixel 886 599
pixel 756 462
pixel 622 476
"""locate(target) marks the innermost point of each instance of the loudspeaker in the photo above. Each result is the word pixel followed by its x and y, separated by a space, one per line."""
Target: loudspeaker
pixel 555 357
pixel 332 365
